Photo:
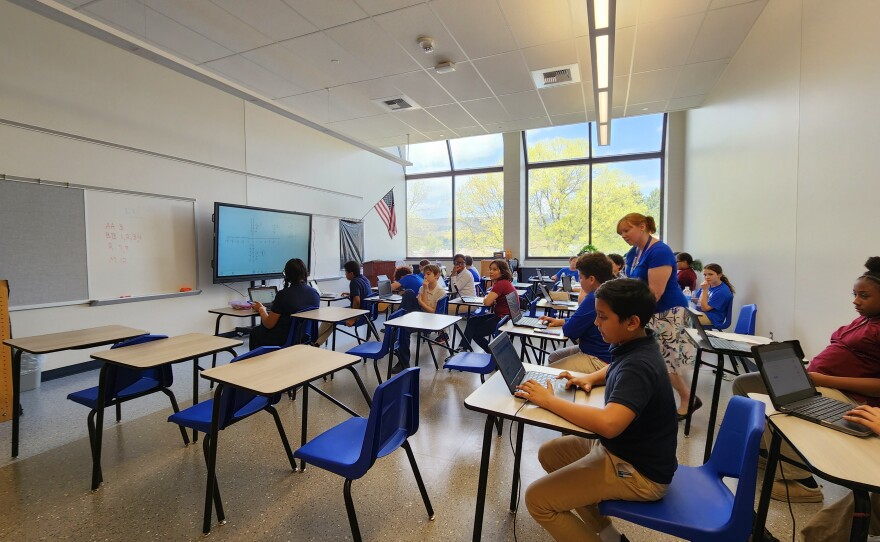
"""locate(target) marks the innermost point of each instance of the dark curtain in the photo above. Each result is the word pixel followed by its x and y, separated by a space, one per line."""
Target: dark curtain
pixel 351 242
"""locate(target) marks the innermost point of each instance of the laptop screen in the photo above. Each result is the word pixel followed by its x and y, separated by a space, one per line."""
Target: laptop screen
pixel 695 320
pixel 384 287
pixel 784 373
pixel 263 295
pixel 507 360
pixel 545 292
pixel 566 283
pixel 513 304
pixel 382 277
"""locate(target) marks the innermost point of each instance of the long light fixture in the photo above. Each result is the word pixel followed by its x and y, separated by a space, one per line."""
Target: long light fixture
pixel 600 15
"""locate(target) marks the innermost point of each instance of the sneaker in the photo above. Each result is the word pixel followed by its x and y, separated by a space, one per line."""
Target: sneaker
pixel 399 366
pixel 797 492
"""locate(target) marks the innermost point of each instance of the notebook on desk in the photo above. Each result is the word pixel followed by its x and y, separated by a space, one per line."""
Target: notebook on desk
pixel 263 294
pixel 514 372
pixel 792 391
pixel 717 342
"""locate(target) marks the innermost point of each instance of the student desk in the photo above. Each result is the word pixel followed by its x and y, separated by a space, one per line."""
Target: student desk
pixel 526 334
pixel 702 346
pixel 331 298
pixel 543 304
pixel 494 399
pixel 147 356
pixel 267 375
pixel 843 459
pixel 235 313
pixel 56 342
pixel 334 315
pixel 424 321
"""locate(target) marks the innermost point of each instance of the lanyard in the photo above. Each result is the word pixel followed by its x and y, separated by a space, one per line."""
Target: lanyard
pixel 642 252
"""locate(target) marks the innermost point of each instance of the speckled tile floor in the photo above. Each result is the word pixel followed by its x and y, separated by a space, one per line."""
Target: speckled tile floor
pixel 154 487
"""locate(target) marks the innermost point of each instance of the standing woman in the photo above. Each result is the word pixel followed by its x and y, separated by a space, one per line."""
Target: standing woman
pixel 651 260
pixel 295 296
pixel 715 297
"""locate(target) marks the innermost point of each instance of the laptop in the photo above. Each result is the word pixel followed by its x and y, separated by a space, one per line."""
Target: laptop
pixel 566 283
pixel 514 372
pixel 384 291
pixel 540 273
pixel 380 278
pixel 717 342
pixel 516 315
pixel 557 302
pixel 263 294
pixel 467 298
pixel 792 391
pixel 322 295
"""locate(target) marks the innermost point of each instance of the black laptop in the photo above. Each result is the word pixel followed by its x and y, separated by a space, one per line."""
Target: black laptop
pixel 717 343
pixel 557 302
pixel 514 372
pixel 263 294
pixel 384 291
pixel 566 283
pixel 792 391
pixel 516 315
pixel 467 298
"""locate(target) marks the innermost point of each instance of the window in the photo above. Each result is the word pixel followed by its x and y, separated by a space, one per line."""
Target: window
pixel 459 208
pixel 576 197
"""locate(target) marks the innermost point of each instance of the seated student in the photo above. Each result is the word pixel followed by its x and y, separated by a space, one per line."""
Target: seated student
pixel 715 296
pixel 634 457
pixel 848 369
pixel 462 280
pixel 591 353
pixel 480 327
pixel 469 262
pixel 294 296
pixel 404 279
pixel 358 289
pixel 687 277
pixel 570 271
pixel 422 264
pixel 617 266
pixel 426 301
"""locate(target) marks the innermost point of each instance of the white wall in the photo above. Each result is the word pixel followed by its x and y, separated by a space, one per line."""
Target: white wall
pixel 60 79
pixel 780 165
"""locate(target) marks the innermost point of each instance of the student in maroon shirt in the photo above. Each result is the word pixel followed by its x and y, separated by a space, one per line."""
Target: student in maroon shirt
pixel 687 277
pixel 480 327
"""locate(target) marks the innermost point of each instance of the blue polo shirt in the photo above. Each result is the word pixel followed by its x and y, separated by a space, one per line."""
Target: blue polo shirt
pixel 582 325
pixel 720 298
pixel 658 255
pixel 411 282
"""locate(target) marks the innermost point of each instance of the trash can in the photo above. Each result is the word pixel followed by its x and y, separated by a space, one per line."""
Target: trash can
pixel 31 370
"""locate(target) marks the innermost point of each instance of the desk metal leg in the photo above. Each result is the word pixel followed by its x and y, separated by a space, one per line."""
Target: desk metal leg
pixel 16 398
pixel 697 361
pixel 767 487
pixel 514 490
pixel 304 431
pixel 212 489
pixel 195 392
pixel 214 356
pixel 484 476
pixel 861 516
pixel 334 337
pixel 418 346
pixel 713 413
pixel 97 475
pixel 360 384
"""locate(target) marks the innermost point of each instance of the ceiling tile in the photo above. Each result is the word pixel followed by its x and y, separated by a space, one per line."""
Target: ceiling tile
pixel 422 88
pixel 523 124
pixel 464 83
pixel 273 18
pixel 282 62
pixel 372 127
pixel 677 104
pixel 550 55
pixel 253 76
pixel 389 144
pixel 653 11
pixel 327 13
pixel 582 46
pixel 650 108
pixel 477 25
pixel 406 25
pixel 366 41
pixel 524 105
pixel 487 111
pixel 724 31
pixel 347 103
pixel 439 135
pixel 580 26
pixel 452 115
pixel 665 44
pixel 320 52
pixel 212 22
pixel 552 22
pixel 716 4
pixel 569 118
pixel 506 73
pixel 312 105
pixel 420 120
pixel 627 13
pixel 375 7
pixel 624 41
pixel 375 89
pixel 652 86
pixel 126 15
pixel 699 78
pixel 470 131
pixel 618 92
pixel 564 99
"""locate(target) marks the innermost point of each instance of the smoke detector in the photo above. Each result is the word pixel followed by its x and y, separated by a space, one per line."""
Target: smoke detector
pixel 445 67
pixel 426 43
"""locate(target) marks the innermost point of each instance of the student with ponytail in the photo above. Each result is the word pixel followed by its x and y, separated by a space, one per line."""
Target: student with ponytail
pixel 715 295
pixel 295 296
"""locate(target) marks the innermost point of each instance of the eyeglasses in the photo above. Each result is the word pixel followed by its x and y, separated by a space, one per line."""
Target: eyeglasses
pixel 459 262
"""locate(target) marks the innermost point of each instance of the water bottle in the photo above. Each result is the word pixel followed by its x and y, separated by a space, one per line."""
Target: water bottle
pixel 687 292
pixel 516 276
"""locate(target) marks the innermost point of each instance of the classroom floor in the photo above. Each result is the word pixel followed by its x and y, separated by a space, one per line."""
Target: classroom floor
pixel 154 486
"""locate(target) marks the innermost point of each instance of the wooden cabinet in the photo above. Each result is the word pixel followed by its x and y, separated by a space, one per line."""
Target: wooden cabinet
pixel 374 268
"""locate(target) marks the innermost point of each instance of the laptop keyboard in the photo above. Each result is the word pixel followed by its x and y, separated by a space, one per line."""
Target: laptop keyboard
pixel 823 408
pixel 540 377
pixel 529 321
pixel 726 344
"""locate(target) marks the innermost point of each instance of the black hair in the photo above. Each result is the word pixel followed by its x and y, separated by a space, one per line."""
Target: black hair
pixel 873 269
pixel 402 271
pixel 628 297
pixel 353 267
pixel 685 257
pixel 503 269
pixel 595 264
pixel 468 261
pixel 457 256
pixel 295 272
pixel 617 259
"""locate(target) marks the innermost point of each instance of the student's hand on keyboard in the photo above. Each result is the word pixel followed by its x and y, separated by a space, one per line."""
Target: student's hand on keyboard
pixel 552 322
pixel 535 393
pixel 582 382
pixel 865 415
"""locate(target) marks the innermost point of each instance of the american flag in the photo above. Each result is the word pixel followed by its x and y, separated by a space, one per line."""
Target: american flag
pixel 385 208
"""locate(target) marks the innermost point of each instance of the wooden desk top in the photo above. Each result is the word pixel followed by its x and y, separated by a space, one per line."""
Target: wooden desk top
pixel 831 454
pixel 425 321
pixel 164 351
pixel 229 311
pixel 494 398
pixel 73 340
pixel 459 301
pixel 751 339
pixel 281 369
pixel 543 304
pixel 530 332
pixel 330 314
pixel 522 285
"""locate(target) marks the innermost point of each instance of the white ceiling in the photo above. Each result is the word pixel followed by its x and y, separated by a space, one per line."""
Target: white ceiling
pixel 328 59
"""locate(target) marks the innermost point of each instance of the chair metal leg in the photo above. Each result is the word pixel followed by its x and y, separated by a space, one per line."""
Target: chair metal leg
pixel 694 377
pixel 421 484
pixel 118 412
pixel 271 410
pixel 174 406
pixel 349 508
pixel 90 423
pixel 218 503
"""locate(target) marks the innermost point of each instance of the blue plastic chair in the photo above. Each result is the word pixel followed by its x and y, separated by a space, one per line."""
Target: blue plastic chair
pixel 124 384
pixel 376 350
pixel 301 331
pixel 350 448
pixel 745 325
pixel 699 506
pixel 480 363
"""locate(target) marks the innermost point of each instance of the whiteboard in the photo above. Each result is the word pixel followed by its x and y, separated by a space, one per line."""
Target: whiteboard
pixel 139 245
pixel 325 247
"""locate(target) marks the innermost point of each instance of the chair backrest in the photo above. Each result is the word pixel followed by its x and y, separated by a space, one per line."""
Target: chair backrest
pixel 727 317
pixel 391 334
pixel 119 378
pixel 735 453
pixel 500 323
pixel 394 416
pixel 233 399
pixel 745 323
pixel 442 305
pixel 301 331
pixel 533 306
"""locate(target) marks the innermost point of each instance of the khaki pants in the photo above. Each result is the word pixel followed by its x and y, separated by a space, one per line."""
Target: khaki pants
pixel 324 332
pixel 581 474
pixel 572 359
pixel 834 522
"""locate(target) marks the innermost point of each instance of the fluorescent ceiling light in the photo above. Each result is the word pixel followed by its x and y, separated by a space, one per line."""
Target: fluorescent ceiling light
pixel 600 13
pixel 603 66
pixel 603 111
pixel 604 135
pixel 601 21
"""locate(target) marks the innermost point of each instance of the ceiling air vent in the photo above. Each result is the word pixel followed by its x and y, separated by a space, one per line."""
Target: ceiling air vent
pixel 556 77
pixel 397 103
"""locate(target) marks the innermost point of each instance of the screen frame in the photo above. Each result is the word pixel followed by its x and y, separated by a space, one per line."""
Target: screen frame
pixel 215 218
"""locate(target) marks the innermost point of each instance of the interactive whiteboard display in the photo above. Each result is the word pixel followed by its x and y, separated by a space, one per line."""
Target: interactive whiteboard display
pixel 252 243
